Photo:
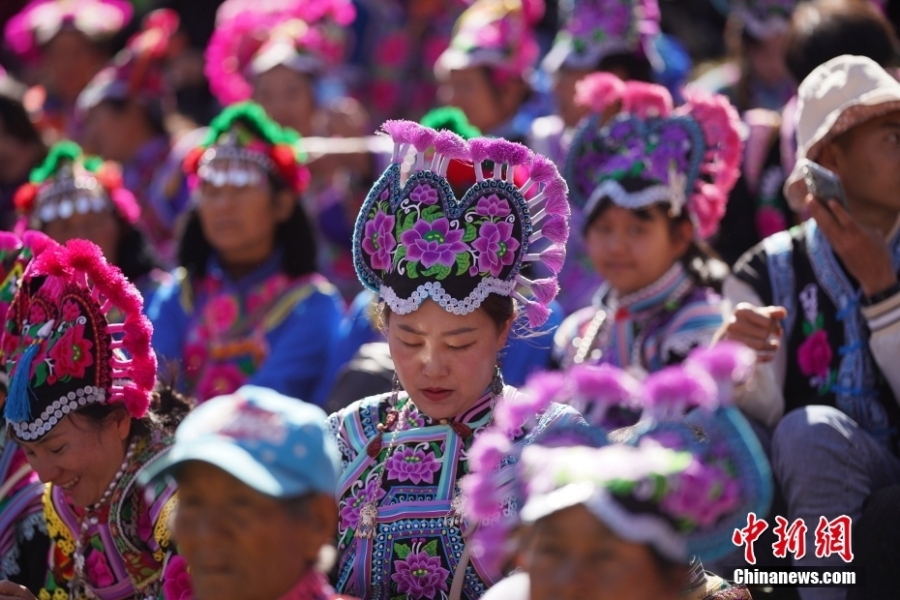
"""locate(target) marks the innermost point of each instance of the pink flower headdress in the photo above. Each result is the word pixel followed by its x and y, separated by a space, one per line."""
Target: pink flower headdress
pixel 307 37
pixel 68 183
pixel 418 240
pixel 494 33
pixel 41 20
pixel 668 486
pixel 63 352
pixel 637 150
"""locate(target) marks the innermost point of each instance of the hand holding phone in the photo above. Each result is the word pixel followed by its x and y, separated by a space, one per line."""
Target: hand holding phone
pixel 823 184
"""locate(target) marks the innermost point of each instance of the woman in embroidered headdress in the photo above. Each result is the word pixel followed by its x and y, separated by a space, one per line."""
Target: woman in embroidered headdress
pixel 448 270
pixel 652 182
pixel 248 305
pixel 73 196
pixel 82 405
pixel 486 69
pixel 287 58
pixel 24 543
pixel 124 110
pixel 632 520
pixel 68 42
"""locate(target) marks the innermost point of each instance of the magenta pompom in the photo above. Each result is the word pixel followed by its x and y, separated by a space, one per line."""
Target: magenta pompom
pixel 451 145
pixel 598 91
pixel 556 229
pixel 422 137
pixel 510 153
pixel 537 314
pixel 671 392
pixel 9 241
pixel 543 170
pixel 606 385
pixel 554 258
pixel 556 201
pixel 545 290
pixel 646 100
pixel 479 148
pixel 400 131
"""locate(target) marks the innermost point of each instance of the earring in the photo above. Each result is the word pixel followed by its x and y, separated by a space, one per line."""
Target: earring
pixel 395 390
pixel 497 381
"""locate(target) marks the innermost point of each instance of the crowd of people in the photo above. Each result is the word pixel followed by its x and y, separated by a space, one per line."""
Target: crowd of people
pixel 448 299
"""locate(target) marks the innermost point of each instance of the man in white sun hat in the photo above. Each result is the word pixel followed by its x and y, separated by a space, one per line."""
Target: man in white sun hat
pixel 821 306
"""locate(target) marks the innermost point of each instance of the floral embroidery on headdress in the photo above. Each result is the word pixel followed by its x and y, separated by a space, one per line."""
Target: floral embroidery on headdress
pixel 61 350
pixel 418 240
pixel 307 37
pixel 637 150
pixel 68 183
pixel 41 20
pixel 243 145
pixel 665 486
pixel 594 29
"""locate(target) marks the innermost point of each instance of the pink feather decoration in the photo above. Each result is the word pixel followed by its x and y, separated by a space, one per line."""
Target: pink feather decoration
pixel 646 100
pixel 598 91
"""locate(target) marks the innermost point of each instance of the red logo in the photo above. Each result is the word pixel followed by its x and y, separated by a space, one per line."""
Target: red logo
pixel 831 537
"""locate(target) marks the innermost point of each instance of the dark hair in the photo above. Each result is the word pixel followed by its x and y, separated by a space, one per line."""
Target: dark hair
pixel 293 236
pixel 136 256
pixel 500 309
pixel 16 122
pixel 827 29
pixel 635 67
pixel 700 261
pixel 167 409
pixel 154 118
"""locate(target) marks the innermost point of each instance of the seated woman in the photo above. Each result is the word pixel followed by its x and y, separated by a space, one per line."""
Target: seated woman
pixel 82 405
pixel 73 196
pixel 24 542
pixel 485 70
pixel 652 183
pixel 448 274
pixel 247 305
pixel 631 520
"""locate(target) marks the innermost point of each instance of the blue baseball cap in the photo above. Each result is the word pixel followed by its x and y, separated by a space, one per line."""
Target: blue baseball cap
pixel 277 445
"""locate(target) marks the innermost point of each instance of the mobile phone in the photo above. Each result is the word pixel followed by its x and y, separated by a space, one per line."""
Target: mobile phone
pixel 823 184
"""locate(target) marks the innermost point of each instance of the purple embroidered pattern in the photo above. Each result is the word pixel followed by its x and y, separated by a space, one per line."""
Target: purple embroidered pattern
pixel 419 574
pixel 433 243
pixel 412 464
pixel 359 498
pixel 379 241
pixel 496 247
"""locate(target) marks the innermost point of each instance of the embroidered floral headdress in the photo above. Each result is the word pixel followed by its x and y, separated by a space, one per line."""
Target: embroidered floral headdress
pixel 497 34
pixel 762 18
pixel 68 183
pixel 594 29
pixel 136 72
pixel 63 353
pixel 244 146
pixel 417 240
pixel 41 20
pixel 681 491
pixel 307 37
pixel 637 150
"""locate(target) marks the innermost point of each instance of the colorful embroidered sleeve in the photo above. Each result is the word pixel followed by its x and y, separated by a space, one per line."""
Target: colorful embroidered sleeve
pixel 61 569
pixel 693 325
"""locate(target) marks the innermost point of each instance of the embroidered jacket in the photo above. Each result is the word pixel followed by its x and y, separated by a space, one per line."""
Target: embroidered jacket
pixel 23 533
pixel 649 329
pixel 128 551
pixel 420 534
pixel 266 329
pixel 834 351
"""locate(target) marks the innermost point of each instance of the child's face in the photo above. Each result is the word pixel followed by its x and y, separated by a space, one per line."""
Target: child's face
pixel 70 60
pixel 571 555
pixel 632 250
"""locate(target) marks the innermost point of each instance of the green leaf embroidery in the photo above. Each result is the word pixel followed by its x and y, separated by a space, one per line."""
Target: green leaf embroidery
pixel 412 269
pixel 40 373
pixel 439 271
pixel 430 548
pixel 401 253
pixel 97 544
pixel 463 262
pixel 471 233
pixel 402 550
pixel 432 213
pixel 820 321
pixel 408 221
pixel 807 329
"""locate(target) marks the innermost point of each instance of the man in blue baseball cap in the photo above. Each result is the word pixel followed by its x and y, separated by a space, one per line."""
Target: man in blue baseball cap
pixel 256 473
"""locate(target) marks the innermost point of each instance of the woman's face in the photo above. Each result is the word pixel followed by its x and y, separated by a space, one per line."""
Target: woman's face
pixel 287 97
pixel 571 555
pixel 80 456
pixel 767 59
pixel 70 60
pixel 485 106
pixel 226 531
pixel 631 252
pixel 240 222
pixel 445 362
pixel 103 228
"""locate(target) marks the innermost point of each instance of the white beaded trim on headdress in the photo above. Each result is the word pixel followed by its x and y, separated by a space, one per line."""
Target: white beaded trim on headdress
pixel 54 413
pixel 435 291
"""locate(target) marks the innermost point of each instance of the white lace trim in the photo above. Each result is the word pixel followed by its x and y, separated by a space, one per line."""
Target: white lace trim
pixel 30 525
pixel 9 565
pixel 682 342
pixel 613 190
pixel 54 413
pixel 435 291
